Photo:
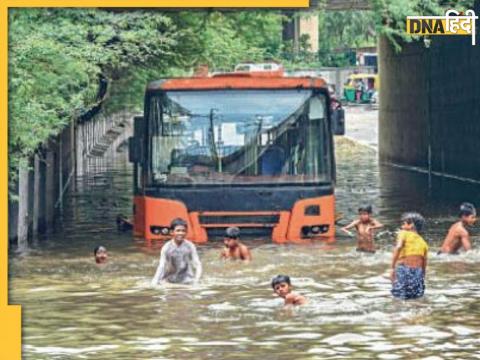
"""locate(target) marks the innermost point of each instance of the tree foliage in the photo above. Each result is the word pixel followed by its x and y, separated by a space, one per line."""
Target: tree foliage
pixel 390 15
pixel 59 59
pixel 218 39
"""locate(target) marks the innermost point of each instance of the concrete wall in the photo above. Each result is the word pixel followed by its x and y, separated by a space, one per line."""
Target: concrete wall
pixel 430 105
pixel 294 27
pixel 309 26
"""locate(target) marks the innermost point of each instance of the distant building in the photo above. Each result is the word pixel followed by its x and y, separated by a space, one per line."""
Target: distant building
pixel 296 26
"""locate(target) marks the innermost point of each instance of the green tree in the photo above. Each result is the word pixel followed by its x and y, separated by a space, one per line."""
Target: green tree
pixel 390 15
pixel 62 62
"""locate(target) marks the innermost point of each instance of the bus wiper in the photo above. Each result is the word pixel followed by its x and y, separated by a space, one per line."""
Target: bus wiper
pixel 213 145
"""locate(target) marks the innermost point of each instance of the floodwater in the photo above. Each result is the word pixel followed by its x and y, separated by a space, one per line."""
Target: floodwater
pixel 73 309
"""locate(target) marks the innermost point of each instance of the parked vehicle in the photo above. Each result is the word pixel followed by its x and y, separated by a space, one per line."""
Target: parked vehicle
pixel 361 88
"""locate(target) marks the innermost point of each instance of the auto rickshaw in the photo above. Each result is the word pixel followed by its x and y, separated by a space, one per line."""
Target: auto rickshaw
pixel 361 88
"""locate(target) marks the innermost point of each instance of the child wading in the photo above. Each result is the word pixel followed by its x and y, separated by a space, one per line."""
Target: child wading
pixel 179 262
pixel 409 259
pixel 365 226
pixel 234 249
pixel 283 287
pixel 458 236
pixel 101 255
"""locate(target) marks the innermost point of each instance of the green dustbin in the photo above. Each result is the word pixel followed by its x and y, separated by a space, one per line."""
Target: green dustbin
pixel 349 94
pixel 365 97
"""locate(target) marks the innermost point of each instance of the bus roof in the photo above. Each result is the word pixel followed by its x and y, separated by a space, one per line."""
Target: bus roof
pixel 234 81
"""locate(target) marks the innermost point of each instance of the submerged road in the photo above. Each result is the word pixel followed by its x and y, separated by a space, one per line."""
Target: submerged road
pixel 361 125
pixel 75 310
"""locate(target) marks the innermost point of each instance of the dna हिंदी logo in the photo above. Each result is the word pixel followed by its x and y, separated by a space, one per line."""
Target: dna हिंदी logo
pixel 453 23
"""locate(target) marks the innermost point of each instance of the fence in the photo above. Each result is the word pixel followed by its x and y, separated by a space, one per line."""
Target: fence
pixel 52 170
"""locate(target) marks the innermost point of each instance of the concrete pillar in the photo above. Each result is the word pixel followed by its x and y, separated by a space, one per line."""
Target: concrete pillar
pixel 31 195
pixel 338 83
pixel 42 196
pixel 87 137
pixel 88 125
pixel 23 207
pixel 94 132
pixel 36 195
pixel 73 154
pixel 60 172
pixel 13 215
pixel 50 192
pixel 79 149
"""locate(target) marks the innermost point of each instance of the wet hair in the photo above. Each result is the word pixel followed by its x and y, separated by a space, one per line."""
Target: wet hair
pixel 178 222
pixel 98 248
pixel 467 209
pixel 365 208
pixel 414 218
pixel 232 232
pixel 280 279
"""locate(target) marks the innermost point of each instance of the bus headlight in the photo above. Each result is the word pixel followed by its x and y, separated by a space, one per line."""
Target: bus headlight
pixel 310 231
pixel 165 231
pixel 159 230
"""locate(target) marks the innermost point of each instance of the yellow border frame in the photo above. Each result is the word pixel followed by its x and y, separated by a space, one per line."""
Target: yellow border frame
pixel 10 315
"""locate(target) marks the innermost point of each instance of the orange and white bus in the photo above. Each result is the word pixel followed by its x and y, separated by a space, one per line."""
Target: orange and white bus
pixel 252 149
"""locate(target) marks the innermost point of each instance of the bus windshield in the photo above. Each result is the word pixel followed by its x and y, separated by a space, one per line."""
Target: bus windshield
pixel 238 137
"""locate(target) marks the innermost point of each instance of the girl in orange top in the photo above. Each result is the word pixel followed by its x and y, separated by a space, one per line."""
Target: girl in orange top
pixel 409 259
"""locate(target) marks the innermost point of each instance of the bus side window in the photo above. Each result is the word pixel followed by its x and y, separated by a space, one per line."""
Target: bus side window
pixel 317 109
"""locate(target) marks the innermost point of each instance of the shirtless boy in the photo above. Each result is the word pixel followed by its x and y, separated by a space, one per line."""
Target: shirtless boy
pixel 365 226
pixel 234 249
pixel 282 286
pixel 458 236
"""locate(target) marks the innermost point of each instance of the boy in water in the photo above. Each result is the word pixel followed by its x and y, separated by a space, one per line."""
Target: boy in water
pixel 101 255
pixel 409 261
pixel 365 226
pixel 179 262
pixel 234 249
pixel 282 286
pixel 458 235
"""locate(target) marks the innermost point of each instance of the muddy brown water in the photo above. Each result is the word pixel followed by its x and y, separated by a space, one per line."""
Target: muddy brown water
pixel 74 310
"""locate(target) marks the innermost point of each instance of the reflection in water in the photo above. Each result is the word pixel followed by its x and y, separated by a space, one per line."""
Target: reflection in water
pixel 74 309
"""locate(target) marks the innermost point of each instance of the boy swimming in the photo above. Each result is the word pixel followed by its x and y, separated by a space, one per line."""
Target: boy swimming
pixel 101 255
pixel 234 249
pixel 179 262
pixel 282 287
pixel 409 261
pixel 458 236
pixel 365 226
